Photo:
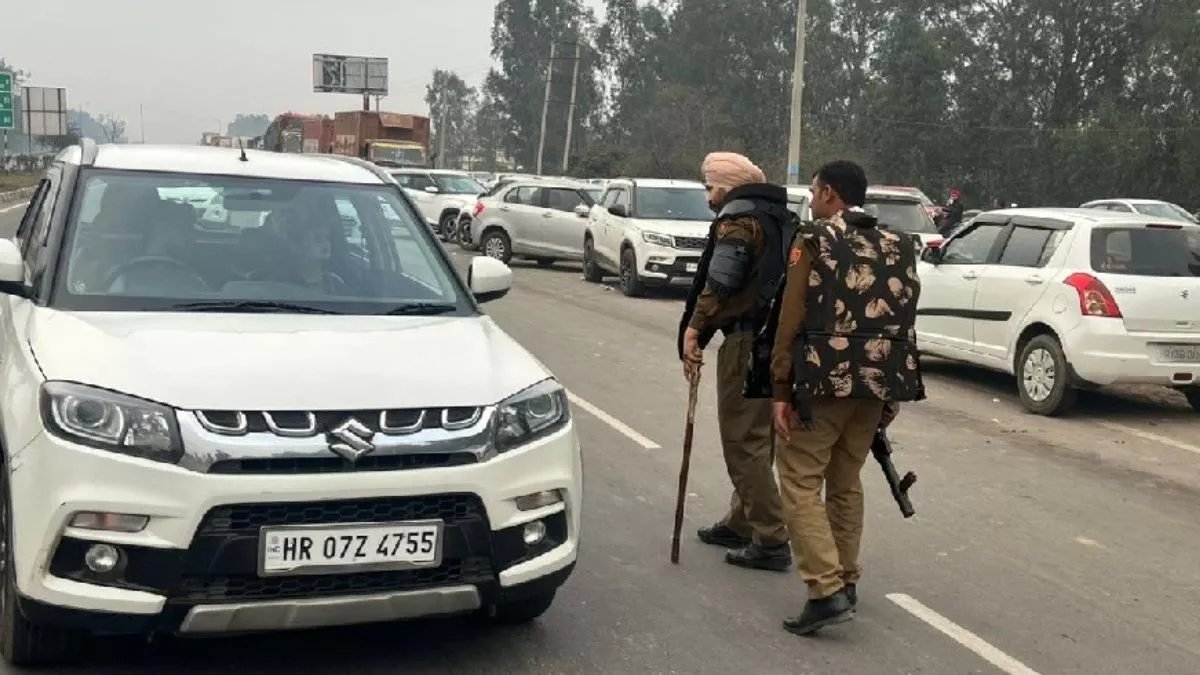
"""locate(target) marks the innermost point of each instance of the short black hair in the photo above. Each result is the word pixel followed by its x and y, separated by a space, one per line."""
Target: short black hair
pixel 847 179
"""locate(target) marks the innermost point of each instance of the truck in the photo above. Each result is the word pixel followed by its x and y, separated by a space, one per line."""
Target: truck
pixel 318 135
pixel 286 132
pixel 385 138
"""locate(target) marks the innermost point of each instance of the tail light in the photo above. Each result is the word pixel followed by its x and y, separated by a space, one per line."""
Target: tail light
pixel 1094 298
pixel 935 243
pixel 477 210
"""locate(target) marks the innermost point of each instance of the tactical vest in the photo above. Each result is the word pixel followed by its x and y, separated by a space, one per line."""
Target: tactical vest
pixel 779 227
pixel 858 339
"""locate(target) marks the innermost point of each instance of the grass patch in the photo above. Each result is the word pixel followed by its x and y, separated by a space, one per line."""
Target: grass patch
pixel 16 181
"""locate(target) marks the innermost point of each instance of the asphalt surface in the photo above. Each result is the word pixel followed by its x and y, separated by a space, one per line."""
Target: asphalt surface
pixel 1039 545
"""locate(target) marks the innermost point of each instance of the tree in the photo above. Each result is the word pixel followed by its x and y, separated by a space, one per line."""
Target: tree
pixel 451 108
pixel 113 128
pixel 248 125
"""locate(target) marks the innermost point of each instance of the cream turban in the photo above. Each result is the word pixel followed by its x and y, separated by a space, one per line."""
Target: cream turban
pixel 729 170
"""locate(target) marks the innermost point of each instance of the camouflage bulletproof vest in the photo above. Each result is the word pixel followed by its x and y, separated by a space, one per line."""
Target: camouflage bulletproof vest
pixel 858 338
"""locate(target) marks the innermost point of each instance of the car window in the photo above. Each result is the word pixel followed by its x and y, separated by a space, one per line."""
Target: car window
pixel 32 216
pixel 1163 210
pixel 458 185
pixel 404 179
pixel 561 199
pixel 610 197
pixel 525 195
pixel 622 199
pixel 900 215
pixel 421 181
pixel 1025 247
pixel 343 248
pixel 972 246
pixel 1147 251
pixel 673 204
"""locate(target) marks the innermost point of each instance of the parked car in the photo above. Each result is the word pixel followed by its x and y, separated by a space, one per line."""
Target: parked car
pixel 902 211
pixel 1067 299
pixel 540 220
pixel 928 204
pixel 1148 207
pixel 649 231
pixel 440 195
pixel 230 451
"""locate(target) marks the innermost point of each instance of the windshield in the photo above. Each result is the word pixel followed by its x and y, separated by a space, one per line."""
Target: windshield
pixel 901 215
pixel 339 248
pixel 397 155
pixel 1147 251
pixel 458 185
pixel 594 193
pixel 672 204
pixel 1164 210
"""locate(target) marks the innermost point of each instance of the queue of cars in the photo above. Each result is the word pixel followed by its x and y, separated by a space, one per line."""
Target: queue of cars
pixel 300 419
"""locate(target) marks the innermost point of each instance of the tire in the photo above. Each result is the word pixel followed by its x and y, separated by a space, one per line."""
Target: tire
pixel 1193 397
pixel 521 611
pixel 631 286
pixel 1043 377
pixel 544 262
pixel 591 271
pixel 462 233
pixel 496 244
pixel 446 227
pixel 23 643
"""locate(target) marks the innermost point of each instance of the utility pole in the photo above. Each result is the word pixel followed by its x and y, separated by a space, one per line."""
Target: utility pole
pixel 545 108
pixel 441 160
pixel 793 158
pixel 571 108
pixel 142 121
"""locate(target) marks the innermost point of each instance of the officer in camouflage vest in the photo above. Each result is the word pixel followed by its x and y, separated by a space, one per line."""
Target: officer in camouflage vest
pixel 845 354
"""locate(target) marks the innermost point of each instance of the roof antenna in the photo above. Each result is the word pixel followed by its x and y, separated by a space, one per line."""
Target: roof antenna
pixel 242 147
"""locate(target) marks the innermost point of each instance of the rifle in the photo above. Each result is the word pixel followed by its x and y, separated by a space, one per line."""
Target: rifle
pixel 881 447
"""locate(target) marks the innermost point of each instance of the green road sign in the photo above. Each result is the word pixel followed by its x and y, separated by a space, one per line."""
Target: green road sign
pixel 6 101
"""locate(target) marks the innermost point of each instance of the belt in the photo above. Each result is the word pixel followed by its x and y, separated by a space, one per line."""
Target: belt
pixel 741 325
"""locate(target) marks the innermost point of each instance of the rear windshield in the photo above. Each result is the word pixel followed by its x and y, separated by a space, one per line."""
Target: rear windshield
pixel 1148 252
pixel 900 215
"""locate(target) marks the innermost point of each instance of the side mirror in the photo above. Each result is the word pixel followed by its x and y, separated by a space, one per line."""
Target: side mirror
pixel 489 279
pixel 431 189
pixel 932 253
pixel 618 210
pixel 12 269
pixel 583 210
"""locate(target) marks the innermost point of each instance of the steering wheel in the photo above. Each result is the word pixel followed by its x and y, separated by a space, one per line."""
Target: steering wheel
pixel 150 261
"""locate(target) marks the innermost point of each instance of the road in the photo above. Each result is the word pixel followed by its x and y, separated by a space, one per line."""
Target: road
pixel 1039 545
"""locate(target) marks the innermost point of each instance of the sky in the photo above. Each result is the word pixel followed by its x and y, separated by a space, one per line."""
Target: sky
pixel 176 69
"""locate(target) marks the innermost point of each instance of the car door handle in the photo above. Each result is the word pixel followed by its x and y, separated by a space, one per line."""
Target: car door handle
pixel 504 208
pixel 1034 280
pixel 970 275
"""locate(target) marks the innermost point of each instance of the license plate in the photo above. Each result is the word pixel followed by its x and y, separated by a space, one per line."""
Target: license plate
pixel 314 549
pixel 691 267
pixel 1179 353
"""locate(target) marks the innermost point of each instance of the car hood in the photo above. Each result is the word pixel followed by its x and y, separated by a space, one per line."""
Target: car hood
pixel 284 361
pixel 677 228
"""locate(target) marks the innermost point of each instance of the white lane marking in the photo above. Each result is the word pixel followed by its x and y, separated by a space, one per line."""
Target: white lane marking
pixel 962 636
pixel 14 207
pixel 619 426
pixel 1154 438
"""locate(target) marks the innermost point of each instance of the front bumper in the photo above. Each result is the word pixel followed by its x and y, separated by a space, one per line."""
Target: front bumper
pixel 663 265
pixel 194 568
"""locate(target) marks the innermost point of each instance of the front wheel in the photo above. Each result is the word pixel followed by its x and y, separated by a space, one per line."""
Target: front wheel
pixel 446 227
pixel 22 642
pixel 631 285
pixel 515 612
pixel 1042 377
pixel 496 244
pixel 591 271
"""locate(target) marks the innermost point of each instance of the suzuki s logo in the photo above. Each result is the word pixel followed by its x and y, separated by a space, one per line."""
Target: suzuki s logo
pixel 351 439
pixel 1184 294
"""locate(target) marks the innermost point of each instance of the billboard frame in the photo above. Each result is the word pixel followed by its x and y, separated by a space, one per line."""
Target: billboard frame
pixel 42 118
pixel 342 74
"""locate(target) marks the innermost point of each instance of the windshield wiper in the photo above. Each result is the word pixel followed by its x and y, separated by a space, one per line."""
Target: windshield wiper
pixel 421 309
pixel 251 306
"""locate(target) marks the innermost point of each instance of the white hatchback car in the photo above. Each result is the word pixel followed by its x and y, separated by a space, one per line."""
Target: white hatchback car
pixel 1067 299
pixel 306 423
pixel 440 195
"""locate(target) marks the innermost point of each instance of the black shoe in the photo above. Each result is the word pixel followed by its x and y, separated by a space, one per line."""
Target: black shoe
pixel 721 535
pixel 852 595
pixel 820 612
pixel 776 558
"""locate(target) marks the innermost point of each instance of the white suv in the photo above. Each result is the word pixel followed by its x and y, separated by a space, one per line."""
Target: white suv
pixel 440 195
pixel 1067 299
pixel 648 231
pixel 274 428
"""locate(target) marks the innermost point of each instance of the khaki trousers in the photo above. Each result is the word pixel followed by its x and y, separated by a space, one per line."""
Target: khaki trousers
pixel 826 536
pixel 755 509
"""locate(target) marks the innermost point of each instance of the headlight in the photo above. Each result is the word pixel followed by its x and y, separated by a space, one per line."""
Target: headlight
pixel 111 421
pixel 531 414
pixel 658 239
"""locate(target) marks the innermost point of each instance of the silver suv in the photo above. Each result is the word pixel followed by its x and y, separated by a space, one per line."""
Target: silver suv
pixel 542 220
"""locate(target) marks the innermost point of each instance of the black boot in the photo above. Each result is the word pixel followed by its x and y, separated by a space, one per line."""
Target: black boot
pixel 721 535
pixel 776 558
pixel 852 595
pixel 820 612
